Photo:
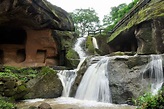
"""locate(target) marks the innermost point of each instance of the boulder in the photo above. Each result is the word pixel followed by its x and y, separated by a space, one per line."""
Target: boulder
pixel 46 85
pixel 44 106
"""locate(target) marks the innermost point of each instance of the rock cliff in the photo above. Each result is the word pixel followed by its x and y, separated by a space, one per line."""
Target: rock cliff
pixel 143 32
pixel 29 33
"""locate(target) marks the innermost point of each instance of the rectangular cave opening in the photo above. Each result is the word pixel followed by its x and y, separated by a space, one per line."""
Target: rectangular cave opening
pixel 41 56
pixel 12 44
pixel 21 55
pixel 126 42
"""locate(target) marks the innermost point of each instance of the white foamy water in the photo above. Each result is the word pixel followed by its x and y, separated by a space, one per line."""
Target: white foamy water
pixel 82 103
pixel 95 84
pixel 67 78
pixel 156 73
pixel 78 47
pixel 71 103
pixel 94 41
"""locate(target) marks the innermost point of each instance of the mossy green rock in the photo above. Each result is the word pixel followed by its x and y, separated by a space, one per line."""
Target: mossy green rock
pixel 146 27
pixel 89 45
pixel 45 85
pixel 73 58
pixel 152 11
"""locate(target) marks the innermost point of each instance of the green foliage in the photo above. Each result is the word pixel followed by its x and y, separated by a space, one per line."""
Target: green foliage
pixel 149 101
pixel 85 20
pixel 45 70
pixel 23 74
pixel 6 105
pixel 116 14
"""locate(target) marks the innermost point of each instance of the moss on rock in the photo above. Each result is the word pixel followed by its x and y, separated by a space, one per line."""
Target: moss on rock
pixel 89 45
pixel 73 58
pixel 152 11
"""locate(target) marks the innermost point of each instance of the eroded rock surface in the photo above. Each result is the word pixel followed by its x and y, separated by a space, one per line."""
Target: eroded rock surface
pixel 142 33
pixel 27 36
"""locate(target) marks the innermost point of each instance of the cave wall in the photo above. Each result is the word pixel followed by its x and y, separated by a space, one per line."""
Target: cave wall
pixel 34 48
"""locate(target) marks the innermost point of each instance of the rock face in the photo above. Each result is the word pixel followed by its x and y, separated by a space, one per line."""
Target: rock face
pixel 125 78
pixel 45 86
pixel 128 77
pixel 27 33
pixel 142 33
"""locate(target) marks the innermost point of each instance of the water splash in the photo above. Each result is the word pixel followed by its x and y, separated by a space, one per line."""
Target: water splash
pixel 156 73
pixel 95 84
pixel 67 78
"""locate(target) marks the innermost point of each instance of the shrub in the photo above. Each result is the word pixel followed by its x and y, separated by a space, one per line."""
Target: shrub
pixel 149 101
pixel 6 105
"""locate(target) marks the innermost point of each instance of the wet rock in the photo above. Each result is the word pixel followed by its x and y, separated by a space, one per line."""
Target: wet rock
pixel 125 77
pixel 44 106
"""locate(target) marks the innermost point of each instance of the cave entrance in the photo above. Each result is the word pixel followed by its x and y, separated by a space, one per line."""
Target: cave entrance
pixel 125 42
pixel 12 44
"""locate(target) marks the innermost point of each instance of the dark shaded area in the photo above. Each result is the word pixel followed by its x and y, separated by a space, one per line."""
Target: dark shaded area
pixel 125 42
pixel 11 35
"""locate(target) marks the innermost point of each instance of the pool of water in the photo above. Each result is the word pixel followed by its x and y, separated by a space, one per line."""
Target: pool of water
pixel 71 103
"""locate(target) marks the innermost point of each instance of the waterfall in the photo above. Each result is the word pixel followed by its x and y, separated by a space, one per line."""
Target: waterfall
pixel 156 73
pixel 67 77
pixel 94 41
pixel 78 47
pixel 95 84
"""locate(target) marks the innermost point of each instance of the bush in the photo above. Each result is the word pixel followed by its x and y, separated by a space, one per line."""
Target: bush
pixel 6 105
pixel 149 101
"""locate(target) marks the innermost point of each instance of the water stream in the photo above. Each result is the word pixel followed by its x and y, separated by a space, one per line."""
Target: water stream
pixel 95 84
pixel 78 48
pixel 94 41
pixel 156 73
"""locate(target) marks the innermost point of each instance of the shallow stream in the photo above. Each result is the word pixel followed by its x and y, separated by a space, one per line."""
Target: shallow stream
pixel 71 103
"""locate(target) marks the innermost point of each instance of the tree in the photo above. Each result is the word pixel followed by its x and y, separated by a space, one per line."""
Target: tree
pixel 116 14
pixel 85 20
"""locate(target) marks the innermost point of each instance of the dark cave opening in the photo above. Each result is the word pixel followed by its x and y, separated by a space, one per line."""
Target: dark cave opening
pixel 12 44
pixel 12 35
pixel 125 42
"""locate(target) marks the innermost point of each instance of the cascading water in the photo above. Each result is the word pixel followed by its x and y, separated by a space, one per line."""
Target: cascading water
pixel 156 73
pixel 94 41
pixel 67 77
pixel 95 84
pixel 78 47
